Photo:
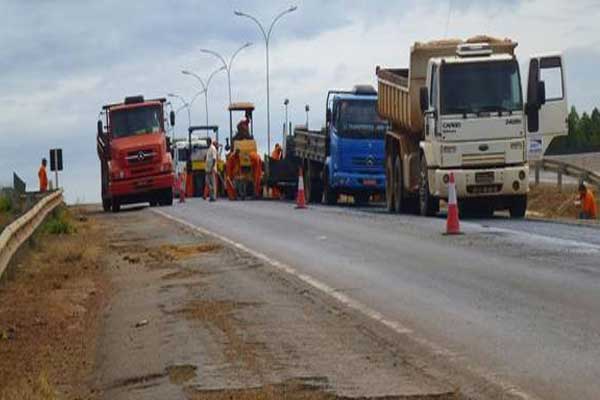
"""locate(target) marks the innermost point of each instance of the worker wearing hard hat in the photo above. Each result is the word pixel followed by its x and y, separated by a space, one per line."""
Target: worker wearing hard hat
pixel 243 131
pixel 587 202
pixel 276 154
pixel 42 176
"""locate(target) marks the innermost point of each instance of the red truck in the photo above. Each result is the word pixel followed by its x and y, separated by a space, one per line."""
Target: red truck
pixel 135 160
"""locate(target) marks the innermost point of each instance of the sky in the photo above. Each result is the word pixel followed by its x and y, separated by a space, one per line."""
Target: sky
pixel 60 61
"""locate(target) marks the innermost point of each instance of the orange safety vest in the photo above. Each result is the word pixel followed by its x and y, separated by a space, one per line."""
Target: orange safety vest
pixel 588 204
pixel 43 179
pixel 277 153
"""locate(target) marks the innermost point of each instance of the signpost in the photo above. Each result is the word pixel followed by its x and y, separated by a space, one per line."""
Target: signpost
pixel 56 163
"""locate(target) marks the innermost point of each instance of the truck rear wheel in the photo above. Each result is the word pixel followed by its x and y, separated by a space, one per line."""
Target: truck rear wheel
pixel 390 180
pixel 398 186
pixel 329 194
pixel 428 205
pixel 166 198
pixel 518 207
pixel 361 199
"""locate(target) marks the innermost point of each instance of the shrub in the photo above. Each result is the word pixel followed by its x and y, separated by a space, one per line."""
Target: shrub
pixel 5 204
pixel 59 223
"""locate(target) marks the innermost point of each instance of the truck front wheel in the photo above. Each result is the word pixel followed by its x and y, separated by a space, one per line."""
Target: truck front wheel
pixel 518 207
pixel 329 194
pixel 115 205
pixel 428 204
pixel 390 180
pixel 106 205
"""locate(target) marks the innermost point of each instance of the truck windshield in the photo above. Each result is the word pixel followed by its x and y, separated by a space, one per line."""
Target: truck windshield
pixel 358 119
pixel 135 121
pixel 480 87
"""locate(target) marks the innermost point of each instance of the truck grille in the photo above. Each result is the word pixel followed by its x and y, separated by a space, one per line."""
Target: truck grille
pixel 470 160
pixel 140 156
pixel 367 162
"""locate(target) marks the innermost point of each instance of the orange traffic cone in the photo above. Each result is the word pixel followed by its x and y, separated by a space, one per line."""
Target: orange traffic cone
pixel 452 223
pixel 300 201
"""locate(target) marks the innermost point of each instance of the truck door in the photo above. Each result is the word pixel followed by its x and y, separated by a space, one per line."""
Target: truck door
pixel 547 108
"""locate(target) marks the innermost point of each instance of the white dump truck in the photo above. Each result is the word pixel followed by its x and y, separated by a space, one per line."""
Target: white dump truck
pixel 459 109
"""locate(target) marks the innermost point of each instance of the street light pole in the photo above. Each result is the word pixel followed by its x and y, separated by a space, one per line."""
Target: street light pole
pixel 205 86
pixel 267 37
pixel 286 102
pixel 307 109
pixel 227 67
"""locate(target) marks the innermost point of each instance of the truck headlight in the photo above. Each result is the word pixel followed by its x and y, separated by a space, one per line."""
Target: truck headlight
pixel 516 146
pixel 448 149
pixel 121 174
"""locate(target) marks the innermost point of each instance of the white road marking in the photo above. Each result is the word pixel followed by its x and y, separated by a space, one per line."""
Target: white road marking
pixel 508 389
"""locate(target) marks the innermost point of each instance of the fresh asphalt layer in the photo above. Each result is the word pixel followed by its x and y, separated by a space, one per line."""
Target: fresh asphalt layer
pixel 517 300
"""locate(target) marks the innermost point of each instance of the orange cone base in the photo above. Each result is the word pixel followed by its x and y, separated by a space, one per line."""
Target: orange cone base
pixel 452 223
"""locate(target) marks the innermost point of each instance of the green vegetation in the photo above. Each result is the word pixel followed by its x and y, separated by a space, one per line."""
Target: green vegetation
pixel 5 204
pixel 584 134
pixel 60 222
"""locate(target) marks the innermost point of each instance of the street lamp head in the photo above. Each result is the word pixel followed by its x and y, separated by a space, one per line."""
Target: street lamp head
pixel 171 95
pixel 286 102
pixel 185 72
pixel 239 13
pixel 293 8
pixel 307 108
pixel 248 44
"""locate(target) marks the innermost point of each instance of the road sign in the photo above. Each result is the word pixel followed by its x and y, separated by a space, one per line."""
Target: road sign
pixel 56 161
pixel 535 147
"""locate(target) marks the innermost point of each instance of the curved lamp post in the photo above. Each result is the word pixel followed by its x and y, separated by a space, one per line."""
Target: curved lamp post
pixel 227 66
pixel 267 36
pixel 205 85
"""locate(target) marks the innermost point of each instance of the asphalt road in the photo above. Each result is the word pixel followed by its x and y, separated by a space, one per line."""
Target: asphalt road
pixel 518 301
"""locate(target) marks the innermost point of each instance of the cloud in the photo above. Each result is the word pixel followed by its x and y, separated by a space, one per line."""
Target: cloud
pixel 61 61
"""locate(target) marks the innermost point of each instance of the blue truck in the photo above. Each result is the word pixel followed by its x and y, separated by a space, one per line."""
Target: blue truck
pixel 346 157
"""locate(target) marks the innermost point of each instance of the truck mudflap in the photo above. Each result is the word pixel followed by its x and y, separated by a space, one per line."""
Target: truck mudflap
pixel 475 183
pixel 139 186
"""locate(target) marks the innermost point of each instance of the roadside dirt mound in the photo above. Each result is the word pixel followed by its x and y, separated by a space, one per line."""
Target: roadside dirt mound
pixel 545 201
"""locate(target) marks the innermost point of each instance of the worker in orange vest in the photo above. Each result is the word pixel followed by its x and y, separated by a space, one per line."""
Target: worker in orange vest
pixel 587 202
pixel 43 177
pixel 276 155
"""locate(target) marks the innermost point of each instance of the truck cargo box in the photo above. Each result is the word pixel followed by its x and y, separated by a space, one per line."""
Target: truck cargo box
pixel 399 89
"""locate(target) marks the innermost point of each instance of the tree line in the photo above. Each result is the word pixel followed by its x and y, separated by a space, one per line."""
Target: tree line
pixel 584 134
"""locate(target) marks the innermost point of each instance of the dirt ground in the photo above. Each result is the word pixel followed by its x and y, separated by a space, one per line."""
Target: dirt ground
pixel 545 201
pixel 50 300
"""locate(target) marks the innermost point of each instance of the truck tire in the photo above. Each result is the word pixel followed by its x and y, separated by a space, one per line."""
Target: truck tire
pixel 106 205
pixel 115 205
pixel 330 197
pixel 390 180
pixel 428 205
pixel 398 186
pixel 518 207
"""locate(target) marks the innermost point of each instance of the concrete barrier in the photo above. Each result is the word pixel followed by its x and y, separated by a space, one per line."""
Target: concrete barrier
pixel 14 235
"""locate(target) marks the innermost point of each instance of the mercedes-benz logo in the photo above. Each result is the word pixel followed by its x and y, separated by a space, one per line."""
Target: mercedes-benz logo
pixel 141 156
pixel 370 161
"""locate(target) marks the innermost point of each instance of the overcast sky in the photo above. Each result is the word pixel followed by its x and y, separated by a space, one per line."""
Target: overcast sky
pixel 60 61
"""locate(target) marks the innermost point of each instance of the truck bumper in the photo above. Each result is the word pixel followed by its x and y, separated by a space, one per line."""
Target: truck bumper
pixel 476 183
pixel 139 186
pixel 354 183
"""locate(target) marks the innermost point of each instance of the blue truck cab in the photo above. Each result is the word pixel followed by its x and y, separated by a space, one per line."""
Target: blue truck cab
pixel 354 145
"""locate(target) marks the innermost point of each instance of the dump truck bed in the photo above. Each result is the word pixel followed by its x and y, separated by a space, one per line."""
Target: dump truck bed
pixel 399 88
pixel 310 144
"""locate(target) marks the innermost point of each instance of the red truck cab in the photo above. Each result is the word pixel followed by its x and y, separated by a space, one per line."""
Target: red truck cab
pixel 133 148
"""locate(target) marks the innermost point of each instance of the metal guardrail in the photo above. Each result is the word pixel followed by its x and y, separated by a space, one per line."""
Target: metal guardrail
pixel 562 168
pixel 15 234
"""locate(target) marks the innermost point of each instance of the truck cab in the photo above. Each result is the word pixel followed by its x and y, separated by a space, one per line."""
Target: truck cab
pixel 355 145
pixel 135 159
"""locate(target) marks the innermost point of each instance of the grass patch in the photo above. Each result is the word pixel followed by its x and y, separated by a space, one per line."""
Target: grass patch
pixel 60 222
pixel 6 204
pixel 34 389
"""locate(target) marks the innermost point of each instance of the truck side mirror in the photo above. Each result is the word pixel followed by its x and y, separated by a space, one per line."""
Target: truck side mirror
pixel 424 98
pixel 172 118
pixel 100 128
pixel 168 139
pixel 541 93
pixel 328 115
